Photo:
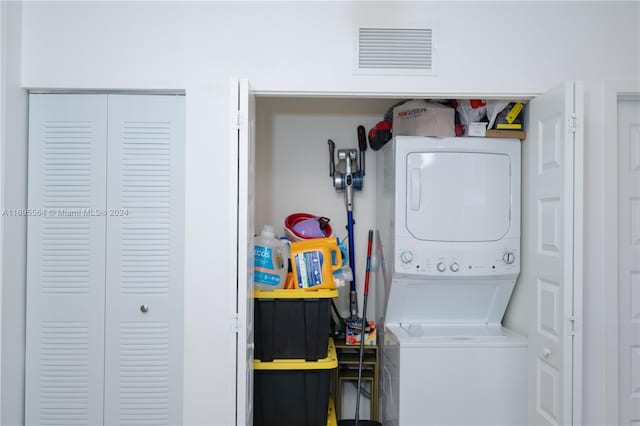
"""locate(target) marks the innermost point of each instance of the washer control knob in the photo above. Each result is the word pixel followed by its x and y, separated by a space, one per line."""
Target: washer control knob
pixel 454 267
pixel 441 267
pixel 406 256
pixel 509 257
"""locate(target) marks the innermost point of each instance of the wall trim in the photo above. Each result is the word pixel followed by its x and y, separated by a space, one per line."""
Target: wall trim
pixel 386 95
pixel 164 92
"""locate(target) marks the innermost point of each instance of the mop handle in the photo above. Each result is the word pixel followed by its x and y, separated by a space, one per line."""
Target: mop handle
pixel 364 322
pixel 366 275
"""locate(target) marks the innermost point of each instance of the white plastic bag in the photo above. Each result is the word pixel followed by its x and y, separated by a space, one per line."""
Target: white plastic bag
pixel 471 111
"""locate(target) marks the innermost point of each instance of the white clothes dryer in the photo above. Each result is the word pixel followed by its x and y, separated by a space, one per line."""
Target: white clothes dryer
pixel 449 249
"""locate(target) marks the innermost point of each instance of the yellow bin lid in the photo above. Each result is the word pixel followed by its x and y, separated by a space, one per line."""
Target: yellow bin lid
pixel 281 293
pixel 331 361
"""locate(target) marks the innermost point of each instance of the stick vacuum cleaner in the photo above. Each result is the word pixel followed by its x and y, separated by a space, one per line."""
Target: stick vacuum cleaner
pixel 348 176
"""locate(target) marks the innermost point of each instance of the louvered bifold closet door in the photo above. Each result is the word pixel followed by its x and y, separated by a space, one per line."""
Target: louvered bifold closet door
pixel 66 260
pixel 144 297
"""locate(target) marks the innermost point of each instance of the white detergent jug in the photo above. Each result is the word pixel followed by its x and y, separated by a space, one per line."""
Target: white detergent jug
pixel 270 260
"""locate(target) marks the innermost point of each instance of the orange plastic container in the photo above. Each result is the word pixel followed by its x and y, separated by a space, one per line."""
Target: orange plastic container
pixel 313 262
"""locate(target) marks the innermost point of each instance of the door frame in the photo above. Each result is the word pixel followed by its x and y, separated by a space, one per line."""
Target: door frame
pixel 613 91
pixel 3 107
pixel 578 186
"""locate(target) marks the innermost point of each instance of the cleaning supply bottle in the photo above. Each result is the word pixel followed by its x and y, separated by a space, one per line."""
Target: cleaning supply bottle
pixel 313 262
pixel 270 259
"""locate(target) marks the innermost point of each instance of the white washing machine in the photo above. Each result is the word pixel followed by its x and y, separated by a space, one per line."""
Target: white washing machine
pixel 449 248
pixel 454 375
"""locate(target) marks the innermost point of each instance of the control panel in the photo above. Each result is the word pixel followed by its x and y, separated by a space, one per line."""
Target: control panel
pixel 503 260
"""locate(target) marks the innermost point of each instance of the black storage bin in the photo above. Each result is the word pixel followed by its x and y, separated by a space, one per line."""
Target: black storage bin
pixel 293 392
pixel 292 324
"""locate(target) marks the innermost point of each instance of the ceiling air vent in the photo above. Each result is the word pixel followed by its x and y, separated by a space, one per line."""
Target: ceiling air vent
pixel 395 51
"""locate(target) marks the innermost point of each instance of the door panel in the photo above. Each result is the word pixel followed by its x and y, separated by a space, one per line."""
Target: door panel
pixel 629 259
pixel 549 153
pixel 484 179
pixel 65 258
pixel 243 139
pixel 145 246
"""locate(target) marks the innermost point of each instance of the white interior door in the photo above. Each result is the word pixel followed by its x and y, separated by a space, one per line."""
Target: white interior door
pixel 629 259
pixel 145 258
pixel 552 153
pixel 105 255
pixel 242 208
pixel 66 260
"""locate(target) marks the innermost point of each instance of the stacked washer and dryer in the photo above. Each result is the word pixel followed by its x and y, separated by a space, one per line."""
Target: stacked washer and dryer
pixel 449 249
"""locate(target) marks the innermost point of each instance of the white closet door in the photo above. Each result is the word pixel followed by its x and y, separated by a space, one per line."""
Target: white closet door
pixel 553 205
pixel 243 154
pixel 145 246
pixel 65 258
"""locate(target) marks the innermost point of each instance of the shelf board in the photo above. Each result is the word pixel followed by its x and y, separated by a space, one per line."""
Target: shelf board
pixel 352 374
pixel 354 358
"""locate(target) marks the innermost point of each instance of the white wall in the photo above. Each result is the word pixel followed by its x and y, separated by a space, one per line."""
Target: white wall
pixel 307 46
pixel 501 47
pixel 13 178
pixel 594 294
